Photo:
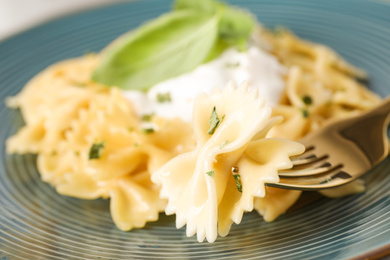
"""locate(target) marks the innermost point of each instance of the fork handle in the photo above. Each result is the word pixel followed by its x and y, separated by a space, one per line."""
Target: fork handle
pixel 369 130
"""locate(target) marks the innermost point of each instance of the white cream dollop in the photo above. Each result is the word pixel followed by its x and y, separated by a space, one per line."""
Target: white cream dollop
pixel 255 67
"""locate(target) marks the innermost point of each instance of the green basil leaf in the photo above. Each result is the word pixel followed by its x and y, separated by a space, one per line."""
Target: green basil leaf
pixel 166 47
pixel 204 6
pixel 235 25
pixel 219 47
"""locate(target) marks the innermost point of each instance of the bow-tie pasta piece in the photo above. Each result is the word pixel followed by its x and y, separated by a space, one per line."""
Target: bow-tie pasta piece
pixel 91 144
pixel 200 187
pixel 66 91
pixel 259 164
pixel 103 156
pixel 276 202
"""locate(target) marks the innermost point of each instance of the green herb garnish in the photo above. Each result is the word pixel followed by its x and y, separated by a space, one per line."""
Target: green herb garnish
pixel 220 121
pixel 214 121
pixel 174 43
pixel 96 150
pixel 148 130
pixel 237 177
pixel 235 24
pixel 223 144
pixel 232 65
pixel 164 97
pixel 307 100
pixel 147 118
pixel 211 173
pixel 166 47
pixel 305 113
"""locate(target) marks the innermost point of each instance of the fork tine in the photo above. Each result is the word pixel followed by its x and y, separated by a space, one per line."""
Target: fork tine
pixel 344 150
pixel 310 187
pixel 331 178
pixel 317 168
pixel 312 178
pixel 307 158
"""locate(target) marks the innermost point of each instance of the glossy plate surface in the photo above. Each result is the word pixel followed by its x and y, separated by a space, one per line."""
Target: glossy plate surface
pixel 38 223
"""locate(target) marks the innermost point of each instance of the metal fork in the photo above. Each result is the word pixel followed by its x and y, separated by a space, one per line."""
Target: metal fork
pixel 340 152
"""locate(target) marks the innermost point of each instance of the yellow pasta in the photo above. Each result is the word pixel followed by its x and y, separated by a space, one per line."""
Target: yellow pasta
pixel 63 125
pixel 320 87
pixel 91 144
pixel 200 186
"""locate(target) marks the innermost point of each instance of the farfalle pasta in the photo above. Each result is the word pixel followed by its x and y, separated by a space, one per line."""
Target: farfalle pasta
pixel 201 188
pixel 320 85
pixel 92 143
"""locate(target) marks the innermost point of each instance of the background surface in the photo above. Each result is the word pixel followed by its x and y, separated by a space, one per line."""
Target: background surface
pixel 19 15
pixel 38 223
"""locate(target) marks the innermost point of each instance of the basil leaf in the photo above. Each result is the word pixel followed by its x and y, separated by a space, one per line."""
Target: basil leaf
pixel 235 25
pixel 166 47
pixel 204 6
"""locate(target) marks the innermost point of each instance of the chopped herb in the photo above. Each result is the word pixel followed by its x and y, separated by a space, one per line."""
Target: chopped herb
pixel 223 144
pixel 164 97
pixel 237 177
pixel 232 65
pixel 211 173
pixel 148 130
pixel 214 121
pixel 77 153
pixel 305 113
pixel 96 150
pixel 307 100
pixel 220 121
pixel 147 118
pixel 130 129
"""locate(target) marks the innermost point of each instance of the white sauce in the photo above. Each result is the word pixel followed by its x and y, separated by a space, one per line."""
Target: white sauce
pixel 255 67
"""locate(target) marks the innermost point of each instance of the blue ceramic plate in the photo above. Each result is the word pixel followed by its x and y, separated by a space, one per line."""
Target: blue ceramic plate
pixel 38 223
